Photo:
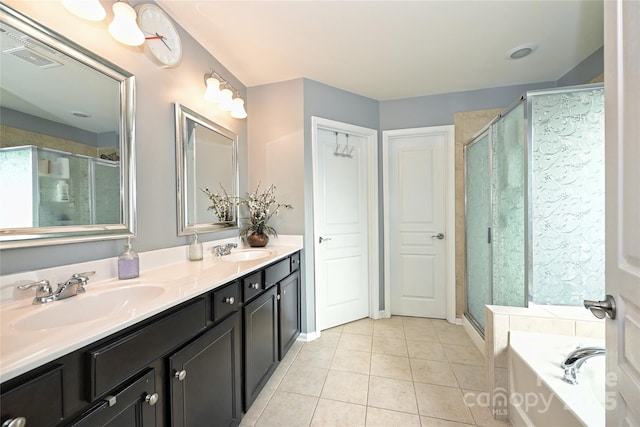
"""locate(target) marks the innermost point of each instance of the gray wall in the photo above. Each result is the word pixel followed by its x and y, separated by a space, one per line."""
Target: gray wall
pixel 585 71
pixel 156 91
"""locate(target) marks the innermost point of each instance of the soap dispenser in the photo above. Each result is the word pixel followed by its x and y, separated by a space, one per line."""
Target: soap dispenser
pixel 128 263
pixel 195 249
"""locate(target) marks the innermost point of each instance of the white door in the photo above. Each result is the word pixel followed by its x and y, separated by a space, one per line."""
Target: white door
pixel 415 219
pixel 344 245
pixel 622 210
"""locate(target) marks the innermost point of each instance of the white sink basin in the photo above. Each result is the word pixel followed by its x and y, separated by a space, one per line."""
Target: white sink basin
pixel 247 255
pixel 85 307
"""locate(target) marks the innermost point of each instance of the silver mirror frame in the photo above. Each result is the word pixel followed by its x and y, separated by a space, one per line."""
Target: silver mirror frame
pixel 42 236
pixel 184 228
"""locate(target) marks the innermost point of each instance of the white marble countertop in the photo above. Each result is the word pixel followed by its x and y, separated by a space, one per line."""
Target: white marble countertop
pixel 24 349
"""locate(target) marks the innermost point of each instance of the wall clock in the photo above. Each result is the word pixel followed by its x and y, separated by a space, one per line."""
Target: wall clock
pixel 162 44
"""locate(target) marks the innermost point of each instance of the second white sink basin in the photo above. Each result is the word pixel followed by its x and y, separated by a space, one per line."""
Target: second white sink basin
pixel 85 307
pixel 247 255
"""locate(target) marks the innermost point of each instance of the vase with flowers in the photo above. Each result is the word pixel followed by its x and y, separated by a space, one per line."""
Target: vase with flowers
pixel 261 207
pixel 221 204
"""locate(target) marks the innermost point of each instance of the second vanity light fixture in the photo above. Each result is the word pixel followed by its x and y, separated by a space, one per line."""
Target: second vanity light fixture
pixel 220 91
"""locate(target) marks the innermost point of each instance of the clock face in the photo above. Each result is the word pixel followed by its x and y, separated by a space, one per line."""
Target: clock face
pixel 162 40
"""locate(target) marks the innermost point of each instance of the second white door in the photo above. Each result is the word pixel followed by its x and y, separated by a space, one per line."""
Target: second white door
pixel 415 207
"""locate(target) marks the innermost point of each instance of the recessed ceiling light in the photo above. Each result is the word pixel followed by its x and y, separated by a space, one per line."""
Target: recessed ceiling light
pixel 521 51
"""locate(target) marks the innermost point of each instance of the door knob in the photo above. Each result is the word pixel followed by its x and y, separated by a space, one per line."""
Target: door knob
pixel 323 239
pixel 600 309
pixel 439 236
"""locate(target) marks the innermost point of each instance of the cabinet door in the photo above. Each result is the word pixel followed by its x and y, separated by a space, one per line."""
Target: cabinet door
pixel 38 401
pixel 132 406
pixel 289 312
pixel 260 343
pixel 205 378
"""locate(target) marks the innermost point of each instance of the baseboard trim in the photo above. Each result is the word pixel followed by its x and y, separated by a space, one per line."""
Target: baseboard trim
pixel 308 336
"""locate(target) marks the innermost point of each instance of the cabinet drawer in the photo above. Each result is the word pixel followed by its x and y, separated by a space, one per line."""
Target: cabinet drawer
pixel 113 363
pixel 252 286
pixel 133 405
pixel 278 271
pixel 225 301
pixel 295 262
pixel 39 401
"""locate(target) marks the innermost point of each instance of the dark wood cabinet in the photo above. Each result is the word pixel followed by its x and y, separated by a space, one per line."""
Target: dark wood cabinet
pixel 199 363
pixel 289 321
pixel 38 400
pixel 132 406
pixel 260 318
pixel 205 378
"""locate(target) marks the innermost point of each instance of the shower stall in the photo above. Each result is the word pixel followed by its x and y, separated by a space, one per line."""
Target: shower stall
pixel 534 203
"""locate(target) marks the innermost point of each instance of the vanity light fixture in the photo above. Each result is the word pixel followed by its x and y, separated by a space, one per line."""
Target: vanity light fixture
pixel 90 10
pixel 212 94
pixel 237 110
pixel 220 91
pixel 124 28
pixel 226 98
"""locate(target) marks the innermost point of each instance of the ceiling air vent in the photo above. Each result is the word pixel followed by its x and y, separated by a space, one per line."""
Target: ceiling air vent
pixel 33 57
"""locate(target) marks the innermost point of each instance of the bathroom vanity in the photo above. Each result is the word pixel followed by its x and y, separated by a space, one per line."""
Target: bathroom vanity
pixel 197 351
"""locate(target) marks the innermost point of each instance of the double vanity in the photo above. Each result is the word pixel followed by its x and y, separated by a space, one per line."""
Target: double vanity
pixel 185 344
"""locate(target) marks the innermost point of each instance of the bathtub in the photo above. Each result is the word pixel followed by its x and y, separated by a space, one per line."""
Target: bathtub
pixel 539 396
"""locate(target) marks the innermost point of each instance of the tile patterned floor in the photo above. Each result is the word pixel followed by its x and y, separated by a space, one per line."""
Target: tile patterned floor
pixel 399 372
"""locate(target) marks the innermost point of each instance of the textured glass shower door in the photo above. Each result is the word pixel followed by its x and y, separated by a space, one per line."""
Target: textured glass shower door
pixel 478 189
pixel 508 227
pixel 567 195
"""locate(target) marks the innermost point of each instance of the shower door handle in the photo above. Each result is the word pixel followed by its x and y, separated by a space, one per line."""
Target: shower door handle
pixel 600 309
pixel 438 236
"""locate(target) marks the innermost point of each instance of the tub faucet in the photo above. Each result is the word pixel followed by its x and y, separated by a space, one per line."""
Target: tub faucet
pixel 574 361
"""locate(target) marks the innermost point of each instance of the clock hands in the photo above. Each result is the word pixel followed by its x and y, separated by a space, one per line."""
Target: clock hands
pixel 158 37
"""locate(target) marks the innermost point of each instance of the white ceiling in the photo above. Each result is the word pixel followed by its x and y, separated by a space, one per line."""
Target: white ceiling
pixel 393 49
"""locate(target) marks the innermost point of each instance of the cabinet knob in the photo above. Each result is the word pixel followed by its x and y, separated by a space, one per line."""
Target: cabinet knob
pixel 229 300
pixel 152 399
pixel 15 422
pixel 278 297
pixel 254 285
pixel 180 375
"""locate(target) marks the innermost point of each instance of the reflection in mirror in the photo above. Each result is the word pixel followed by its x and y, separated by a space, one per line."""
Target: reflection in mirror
pixel 207 171
pixel 66 146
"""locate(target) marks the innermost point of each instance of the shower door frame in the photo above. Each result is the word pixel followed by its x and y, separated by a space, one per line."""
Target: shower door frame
pixel 488 129
pixel 475 139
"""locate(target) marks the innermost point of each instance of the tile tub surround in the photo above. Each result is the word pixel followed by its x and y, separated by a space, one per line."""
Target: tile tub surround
pixel 21 351
pixel 402 371
pixel 499 320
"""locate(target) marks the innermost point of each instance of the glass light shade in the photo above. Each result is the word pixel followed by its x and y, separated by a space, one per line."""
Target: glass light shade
pixel 212 94
pixel 226 99
pixel 238 111
pixel 123 28
pixel 90 10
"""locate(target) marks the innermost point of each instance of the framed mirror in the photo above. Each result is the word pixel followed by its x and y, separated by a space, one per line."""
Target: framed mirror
pixel 206 174
pixel 67 169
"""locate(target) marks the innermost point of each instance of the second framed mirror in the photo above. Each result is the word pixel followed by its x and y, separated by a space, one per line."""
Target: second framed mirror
pixel 206 174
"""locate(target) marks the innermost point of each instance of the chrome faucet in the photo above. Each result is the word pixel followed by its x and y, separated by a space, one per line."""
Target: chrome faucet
pixel 221 250
pixel 574 361
pixel 69 288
